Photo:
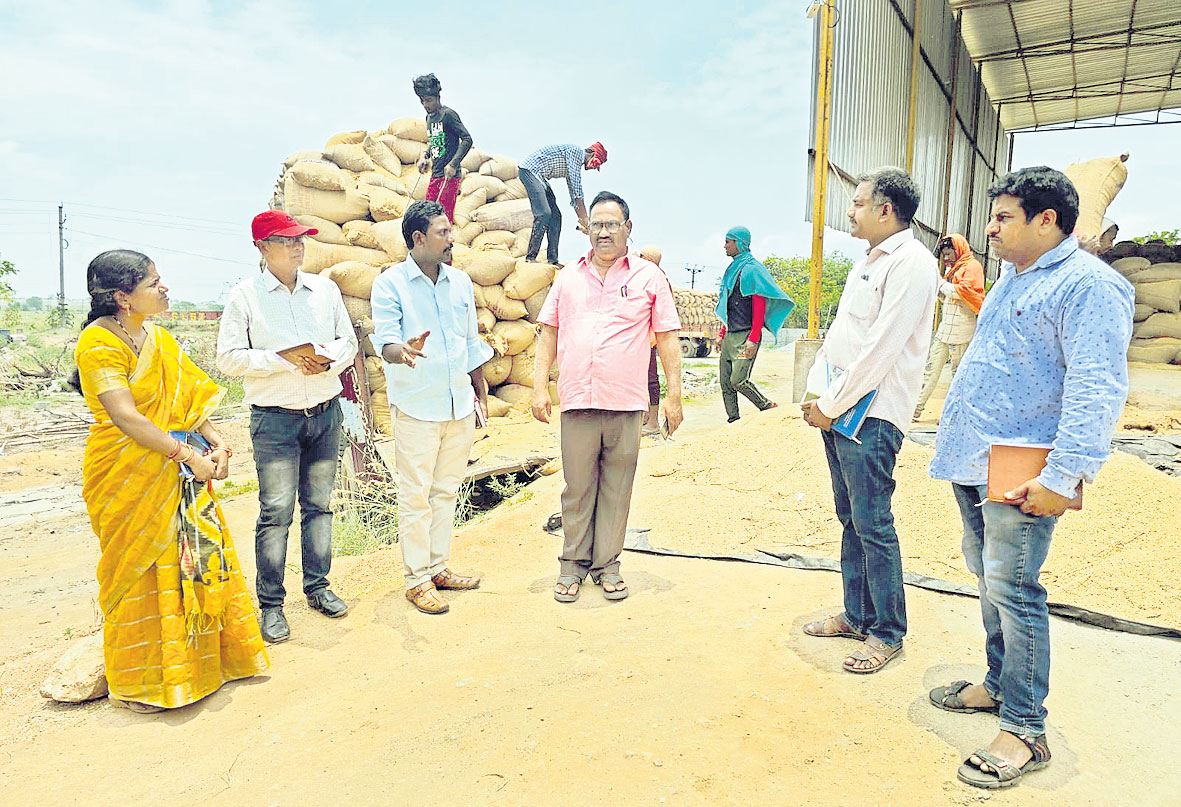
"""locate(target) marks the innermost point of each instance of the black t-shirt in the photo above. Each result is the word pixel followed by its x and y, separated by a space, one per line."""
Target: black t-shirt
pixel 448 140
pixel 740 313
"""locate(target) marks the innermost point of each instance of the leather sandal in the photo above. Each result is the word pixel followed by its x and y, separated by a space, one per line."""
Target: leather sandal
pixel 426 598
pixel 833 626
pixel 949 699
pixel 567 581
pixel 448 580
pixel 613 579
pixel 875 651
pixel 1004 774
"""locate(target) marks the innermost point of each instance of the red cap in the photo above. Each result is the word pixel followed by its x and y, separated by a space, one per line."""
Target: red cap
pixel 276 222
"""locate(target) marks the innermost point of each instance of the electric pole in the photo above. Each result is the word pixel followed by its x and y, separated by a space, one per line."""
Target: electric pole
pixel 61 263
pixel 693 269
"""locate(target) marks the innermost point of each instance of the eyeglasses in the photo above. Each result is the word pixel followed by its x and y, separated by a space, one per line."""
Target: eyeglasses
pixel 612 227
pixel 286 240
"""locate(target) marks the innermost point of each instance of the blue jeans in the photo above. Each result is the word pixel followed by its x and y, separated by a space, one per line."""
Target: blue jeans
pixel 871 563
pixel 1005 549
pixel 294 454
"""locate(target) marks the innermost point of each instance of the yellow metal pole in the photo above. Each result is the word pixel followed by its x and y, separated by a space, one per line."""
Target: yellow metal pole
pixel 912 110
pixel 820 163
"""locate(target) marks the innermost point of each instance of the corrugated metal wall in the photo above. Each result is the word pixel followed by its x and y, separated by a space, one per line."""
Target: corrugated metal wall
pixel 871 85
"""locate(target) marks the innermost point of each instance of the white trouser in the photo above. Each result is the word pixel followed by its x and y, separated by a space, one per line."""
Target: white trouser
pixel 936 358
pixel 432 460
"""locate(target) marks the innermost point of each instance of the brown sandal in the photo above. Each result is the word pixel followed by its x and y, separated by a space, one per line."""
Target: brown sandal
pixel 833 626
pixel 426 598
pixel 448 580
pixel 875 651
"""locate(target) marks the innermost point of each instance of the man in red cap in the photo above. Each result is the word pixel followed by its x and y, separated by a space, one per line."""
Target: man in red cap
pixel 294 413
pixel 556 162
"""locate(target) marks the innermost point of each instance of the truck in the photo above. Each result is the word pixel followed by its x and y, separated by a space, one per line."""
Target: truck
pixel 700 326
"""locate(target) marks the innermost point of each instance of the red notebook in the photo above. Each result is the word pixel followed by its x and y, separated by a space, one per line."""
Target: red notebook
pixel 1010 466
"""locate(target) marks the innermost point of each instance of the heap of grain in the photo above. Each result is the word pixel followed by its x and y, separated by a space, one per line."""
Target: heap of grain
pixel 1155 271
pixel 355 192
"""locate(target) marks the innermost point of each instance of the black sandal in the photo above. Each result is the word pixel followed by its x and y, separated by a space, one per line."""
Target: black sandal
pixel 1004 774
pixel 949 699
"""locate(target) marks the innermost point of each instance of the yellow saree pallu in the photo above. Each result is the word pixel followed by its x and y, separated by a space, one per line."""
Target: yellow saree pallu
pixel 176 627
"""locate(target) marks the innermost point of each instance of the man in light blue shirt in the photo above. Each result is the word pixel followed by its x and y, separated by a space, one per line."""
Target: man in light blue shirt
pixel 1047 366
pixel 424 322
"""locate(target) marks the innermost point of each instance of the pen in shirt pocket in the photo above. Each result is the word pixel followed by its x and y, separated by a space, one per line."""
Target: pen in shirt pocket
pixel 623 290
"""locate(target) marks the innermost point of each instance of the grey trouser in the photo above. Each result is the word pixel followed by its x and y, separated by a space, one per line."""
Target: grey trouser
pixel 734 374
pixel 599 453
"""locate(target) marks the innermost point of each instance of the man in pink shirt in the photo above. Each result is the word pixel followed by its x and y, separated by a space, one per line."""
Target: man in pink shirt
pixel 595 322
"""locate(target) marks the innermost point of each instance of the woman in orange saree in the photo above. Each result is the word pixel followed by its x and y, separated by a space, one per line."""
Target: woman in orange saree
pixel 178 621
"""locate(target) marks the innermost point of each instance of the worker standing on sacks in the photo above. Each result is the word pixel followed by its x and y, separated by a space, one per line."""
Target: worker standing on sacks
pixel 448 142
pixel 556 162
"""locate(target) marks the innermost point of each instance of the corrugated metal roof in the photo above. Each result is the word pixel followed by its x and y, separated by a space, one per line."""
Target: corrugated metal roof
pixel 1052 62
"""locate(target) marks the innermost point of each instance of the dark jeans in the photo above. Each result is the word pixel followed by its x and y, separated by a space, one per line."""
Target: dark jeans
pixel 871 563
pixel 294 454
pixel 1005 549
pixel 547 219
pixel 734 374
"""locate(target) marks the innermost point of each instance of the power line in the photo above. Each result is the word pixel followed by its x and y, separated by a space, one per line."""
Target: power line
pixel 236 232
pixel 54 203
pixel 162 249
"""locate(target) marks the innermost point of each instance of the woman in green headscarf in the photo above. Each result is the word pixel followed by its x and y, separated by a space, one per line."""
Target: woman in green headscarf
pixel 748 301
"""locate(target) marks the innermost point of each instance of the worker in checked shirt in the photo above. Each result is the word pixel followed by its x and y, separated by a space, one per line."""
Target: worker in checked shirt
pixel 556 162
pixel 424 326
pixel 295 414
pixel 1048 366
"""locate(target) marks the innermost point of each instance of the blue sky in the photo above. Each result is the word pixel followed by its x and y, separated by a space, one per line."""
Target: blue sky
pixel 162 126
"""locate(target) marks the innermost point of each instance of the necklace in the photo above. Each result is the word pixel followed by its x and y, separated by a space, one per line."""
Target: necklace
pixel 134 347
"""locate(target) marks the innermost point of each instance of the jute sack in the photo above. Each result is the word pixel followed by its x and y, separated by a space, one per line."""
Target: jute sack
pixel 317 257
pixel 347 138
pixel 473 160
pixel 534 302
pixel 478 294
pixel 374 373
pixel 485 319
pixel 511 215
pixel 319 174
pixel 354 279
pixel 335 206
pixel 468 233
pixel 494 238
pixel 379 405
pixel 382 154
pixel 522 371
pixel 1158 271
pixel 513 189
pixel 384 204
pixel 1142 312
pixel 504 307
pixel 1163 295
pixel 492 185
pixel 527 279
pixel 520 243
pixel 295 156
pixel 466 206
pixel 328 232
pixel 488 267
pixel 358 234
pixel 409 151
pixel 1097 182
pixel 352 157
pixel 358 308
pixel 498 407
pixel 388 235
pixel 409 129
pixel 500 167
pixel 1153 354
pixel 461 256
pixel 517 395
pixel 416 182
pixel 497 369
pixel 517 335
pixel 364 331
pixel 1158 325
pixel 1130 265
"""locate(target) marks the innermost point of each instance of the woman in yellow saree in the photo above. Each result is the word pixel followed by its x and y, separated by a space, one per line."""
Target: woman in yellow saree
pixel 178 619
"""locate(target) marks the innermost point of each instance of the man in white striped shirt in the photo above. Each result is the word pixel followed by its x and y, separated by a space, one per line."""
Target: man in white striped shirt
pixel 295 415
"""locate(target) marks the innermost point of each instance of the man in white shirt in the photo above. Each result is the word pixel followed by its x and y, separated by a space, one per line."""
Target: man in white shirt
pixel 424 325
pixel 294 412
pixel 878 341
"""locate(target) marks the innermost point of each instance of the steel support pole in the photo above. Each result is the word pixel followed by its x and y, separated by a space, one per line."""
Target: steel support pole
pixel 912 109
pixel 820 163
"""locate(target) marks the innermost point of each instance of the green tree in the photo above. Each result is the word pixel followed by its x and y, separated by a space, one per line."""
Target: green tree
pixel 1171 237
pixel 34 304
pixel 59 317
pixel 183 305
pixel 6 269
pixel 794 275
pixel 12 316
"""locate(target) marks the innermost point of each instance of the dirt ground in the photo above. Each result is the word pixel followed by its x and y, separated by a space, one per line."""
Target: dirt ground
pixel 697 690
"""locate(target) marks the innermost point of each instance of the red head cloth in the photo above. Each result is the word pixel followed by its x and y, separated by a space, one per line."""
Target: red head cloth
pixel 276 222
pixel 598 155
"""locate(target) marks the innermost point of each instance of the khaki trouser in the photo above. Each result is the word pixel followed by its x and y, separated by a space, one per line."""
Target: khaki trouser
pixel 599 453
pixel 431 458
pixel 936 358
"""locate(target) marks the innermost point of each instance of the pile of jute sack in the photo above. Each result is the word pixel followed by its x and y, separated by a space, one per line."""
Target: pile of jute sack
pixel 695 308
pixel 1155 271
pixel 355 192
